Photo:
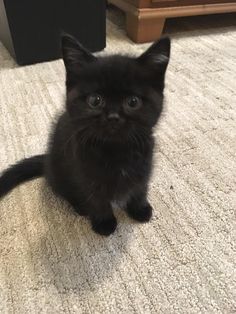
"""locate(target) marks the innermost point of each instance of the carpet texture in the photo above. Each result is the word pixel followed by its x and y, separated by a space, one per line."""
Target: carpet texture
pixel 184 260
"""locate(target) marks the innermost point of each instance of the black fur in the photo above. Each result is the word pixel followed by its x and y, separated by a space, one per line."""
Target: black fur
pixel 24 170
pixel 101 148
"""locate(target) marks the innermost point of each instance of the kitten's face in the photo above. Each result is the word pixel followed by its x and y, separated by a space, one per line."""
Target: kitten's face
pixel 115 98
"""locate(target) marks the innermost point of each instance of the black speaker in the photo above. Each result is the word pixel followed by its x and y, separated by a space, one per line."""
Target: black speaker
pixel 30 29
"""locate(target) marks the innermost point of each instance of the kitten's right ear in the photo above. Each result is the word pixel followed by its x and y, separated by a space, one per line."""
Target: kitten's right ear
pixel 74 55
pixel 157 55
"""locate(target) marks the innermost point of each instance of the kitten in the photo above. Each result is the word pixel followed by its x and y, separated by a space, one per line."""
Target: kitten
pixel 101 149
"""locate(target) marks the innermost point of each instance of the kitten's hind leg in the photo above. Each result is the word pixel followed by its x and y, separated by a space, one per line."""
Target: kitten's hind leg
pixel 79 208
pixel 139 208
pixel 75 200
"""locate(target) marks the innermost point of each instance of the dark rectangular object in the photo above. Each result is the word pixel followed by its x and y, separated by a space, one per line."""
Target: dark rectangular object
pixel 30 29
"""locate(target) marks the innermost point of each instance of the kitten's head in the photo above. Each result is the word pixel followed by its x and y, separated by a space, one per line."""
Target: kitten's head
pixel 114 98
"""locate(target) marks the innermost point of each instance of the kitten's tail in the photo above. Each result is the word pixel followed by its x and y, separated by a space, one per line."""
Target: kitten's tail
pixel 24 170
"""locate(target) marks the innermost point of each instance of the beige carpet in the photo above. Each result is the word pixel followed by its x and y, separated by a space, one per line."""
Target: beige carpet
pixel 184 261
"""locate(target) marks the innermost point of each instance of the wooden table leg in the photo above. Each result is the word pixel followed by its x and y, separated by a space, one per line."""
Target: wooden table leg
pixel 142 29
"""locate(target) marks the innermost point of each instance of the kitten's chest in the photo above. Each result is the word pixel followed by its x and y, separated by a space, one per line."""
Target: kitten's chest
pixel 120 173
pixel 122 166
pixel 115 175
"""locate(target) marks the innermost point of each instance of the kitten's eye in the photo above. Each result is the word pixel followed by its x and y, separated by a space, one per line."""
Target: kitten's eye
pixel 94 101
pixel 133 103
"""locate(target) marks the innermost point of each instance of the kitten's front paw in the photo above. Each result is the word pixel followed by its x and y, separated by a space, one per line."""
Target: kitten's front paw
pixel 142 214
pixel 105 227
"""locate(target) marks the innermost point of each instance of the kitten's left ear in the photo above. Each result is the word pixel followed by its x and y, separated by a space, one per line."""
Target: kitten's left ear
pixel 157 55
pixel 73 52
pixel 75 56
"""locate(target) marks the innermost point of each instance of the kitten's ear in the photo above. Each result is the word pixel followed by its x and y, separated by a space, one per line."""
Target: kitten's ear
pixel 74 55
pixel 157 55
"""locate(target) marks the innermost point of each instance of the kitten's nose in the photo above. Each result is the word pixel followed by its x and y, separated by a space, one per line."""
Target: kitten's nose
pixel 113 117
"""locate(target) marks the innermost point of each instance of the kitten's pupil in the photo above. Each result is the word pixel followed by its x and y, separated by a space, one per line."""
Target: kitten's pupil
pixel 94 100
pixel 134 102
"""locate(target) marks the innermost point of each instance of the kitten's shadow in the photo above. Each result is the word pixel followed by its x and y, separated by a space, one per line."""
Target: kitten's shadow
pixel 72 256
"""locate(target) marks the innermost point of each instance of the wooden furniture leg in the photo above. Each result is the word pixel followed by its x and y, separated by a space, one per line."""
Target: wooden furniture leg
pixel 145 19
pixel 142 29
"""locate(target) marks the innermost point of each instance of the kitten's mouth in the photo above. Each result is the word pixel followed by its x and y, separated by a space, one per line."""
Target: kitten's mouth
pixel 111 131
pixel 113 128
pixel 113 134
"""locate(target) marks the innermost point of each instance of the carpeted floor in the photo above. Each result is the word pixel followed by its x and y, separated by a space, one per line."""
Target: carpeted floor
pixel 184 261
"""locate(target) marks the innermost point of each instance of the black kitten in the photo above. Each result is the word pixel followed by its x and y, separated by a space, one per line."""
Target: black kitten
pixel 101 149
